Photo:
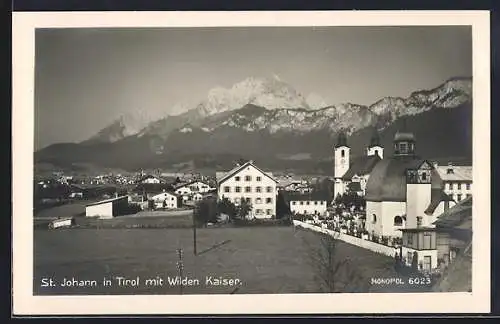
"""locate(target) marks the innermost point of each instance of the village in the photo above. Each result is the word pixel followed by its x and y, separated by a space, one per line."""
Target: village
pixel 410 209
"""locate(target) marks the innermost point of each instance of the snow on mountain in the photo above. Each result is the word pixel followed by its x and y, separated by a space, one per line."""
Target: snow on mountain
pixel 347 116
pixel 126 125
pixel 271 93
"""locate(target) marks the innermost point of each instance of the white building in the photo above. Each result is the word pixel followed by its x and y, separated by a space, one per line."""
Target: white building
pixel 457 180
pixel 403 191
pixel 248 182
pixel 150 179
pixel 108 208
pixel 351 175
pixel 307 204
pixel 165 200
pixel 192 187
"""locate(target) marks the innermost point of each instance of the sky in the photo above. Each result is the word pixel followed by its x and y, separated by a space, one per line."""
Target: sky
pixel 86 78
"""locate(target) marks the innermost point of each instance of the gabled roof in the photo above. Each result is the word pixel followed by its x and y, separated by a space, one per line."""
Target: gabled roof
pixel 240 168
pixel 459 215
pixel 361 165
pixel 437 196
pixel 313 196
pixel 189 183
pixel 459 173
pixel 107 201
pixel 149 176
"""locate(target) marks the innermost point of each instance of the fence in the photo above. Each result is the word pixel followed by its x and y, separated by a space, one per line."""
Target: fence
pixel 369 245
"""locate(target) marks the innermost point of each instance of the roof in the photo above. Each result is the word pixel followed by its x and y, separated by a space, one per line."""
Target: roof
pixel 313 196
pixel 404 136
pixel 341 140
pixel 387 181
pixel 107 201
pixel 239 168
pixel 149 176
pixel 460 173
pixel 189 183
pixel 354 186
pixel 458 216
pixel 361 165
pixel 437 196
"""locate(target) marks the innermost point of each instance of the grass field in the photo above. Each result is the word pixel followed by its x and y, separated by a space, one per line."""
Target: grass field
pixel 266 260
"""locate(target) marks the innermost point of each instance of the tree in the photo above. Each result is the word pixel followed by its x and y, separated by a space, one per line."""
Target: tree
pixel 244 209
pixel 205 211
pixel 225 206
pixel 338 199
pixel 414 261
pixel 282 208
pixel 334 273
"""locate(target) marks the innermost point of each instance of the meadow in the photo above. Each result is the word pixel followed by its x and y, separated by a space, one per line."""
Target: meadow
pixel 265 260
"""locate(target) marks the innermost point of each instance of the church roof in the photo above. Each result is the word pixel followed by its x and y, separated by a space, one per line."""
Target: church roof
pixel 341 139
pixel 437 196
pixel 361 165
pixel 387 181
pixel 404 136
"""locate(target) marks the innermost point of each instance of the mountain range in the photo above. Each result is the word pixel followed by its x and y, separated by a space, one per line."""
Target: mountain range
pixel 267 120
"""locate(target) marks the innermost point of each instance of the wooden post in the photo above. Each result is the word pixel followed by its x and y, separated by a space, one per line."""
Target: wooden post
pixel 180 267
pixel 194 232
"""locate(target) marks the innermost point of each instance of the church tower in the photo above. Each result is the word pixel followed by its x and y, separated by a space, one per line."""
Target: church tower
pixel 375 147
pixel 341 162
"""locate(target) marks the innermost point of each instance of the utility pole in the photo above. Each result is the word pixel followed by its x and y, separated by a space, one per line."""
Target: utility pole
pixel 194 228
pixel 180 267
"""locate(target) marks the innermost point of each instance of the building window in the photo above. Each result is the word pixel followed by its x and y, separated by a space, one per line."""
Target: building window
pixel 258 189
pixel 258 200
pixel 376 152
pixel 374 218
pixel 409 239
pixel 294 202
pixel 301 202
pixel 237 178
pixel 459 186
pixel 427 241
pixel 315 202
pixel 248 189
pixel 248 178
pixel 398 221
pixel 258 211
pixel 269 200
pixel 307 202
pixel 321 202
pixel 403 148
pixel 468 195
pixel 342 153
pixel 467 186
pixel 269 189
pixel 419 220
pixel 450 186
pixel 424 176
pixel 259 178
pixel 248 200
pixel 226 189
pixel 268 211
pixel 459 197
pixel 237 189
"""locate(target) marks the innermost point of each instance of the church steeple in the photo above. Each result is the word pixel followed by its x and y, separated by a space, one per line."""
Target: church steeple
pixel 341 139
pixel 404 144
pixel 375 147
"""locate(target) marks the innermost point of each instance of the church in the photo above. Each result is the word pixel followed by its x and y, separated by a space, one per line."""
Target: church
pixel 401 191
pixel 352 175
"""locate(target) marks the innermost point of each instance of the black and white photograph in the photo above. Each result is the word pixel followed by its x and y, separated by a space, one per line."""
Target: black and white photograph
pixel 265 160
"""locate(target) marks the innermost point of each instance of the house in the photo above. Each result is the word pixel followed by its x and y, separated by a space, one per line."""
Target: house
pixel 457 180
pixel 108 208
pixel 352 176
pixel 149 179
pixel 192 187
pixel 166 200
pixel 248 182
pixel 437 244
pixel 403 191
pixel 307 204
